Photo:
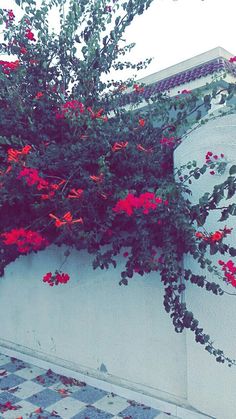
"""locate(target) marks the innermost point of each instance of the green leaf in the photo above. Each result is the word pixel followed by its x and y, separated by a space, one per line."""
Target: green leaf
pixel 232 170
pixel 232 251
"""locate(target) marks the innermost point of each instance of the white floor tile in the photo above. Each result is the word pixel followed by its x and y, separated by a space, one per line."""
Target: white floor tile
pixel 67 407
pixel 4 359
pixel 30 373
pixel 27 389
pixel 112 405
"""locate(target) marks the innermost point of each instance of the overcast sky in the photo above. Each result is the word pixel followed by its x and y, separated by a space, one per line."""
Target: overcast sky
pixel 172 31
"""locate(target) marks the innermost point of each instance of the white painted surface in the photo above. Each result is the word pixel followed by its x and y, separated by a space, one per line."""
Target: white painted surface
pixel 211 386
pixel 93 323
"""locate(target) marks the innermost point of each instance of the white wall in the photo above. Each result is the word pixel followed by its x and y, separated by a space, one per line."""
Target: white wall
pixel 92 321
pixel 211 386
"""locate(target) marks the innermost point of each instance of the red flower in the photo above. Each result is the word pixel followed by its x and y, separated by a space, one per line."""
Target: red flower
pixel 25 240
pixel 32 177
pixel 141 122
pixel 229 270
pixel 8 66
pixel 70 107
pixel 10 15
pixel 216 236
pixel 39 95
pixel 138 89
pixel 119 146
pixel 232 59
pixel 57 278
pixel 98 114
pixel 147 201
pixel 146 150
pixel 16 155
pixel 185 91
pixel 97 179
pixel 75 193
pixel 23 50
pixel 199 235
pixel 66 219
pixel 29 34
pixel 126 254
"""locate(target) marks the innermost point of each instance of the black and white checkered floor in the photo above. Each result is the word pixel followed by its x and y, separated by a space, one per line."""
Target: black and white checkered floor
pixel 27 391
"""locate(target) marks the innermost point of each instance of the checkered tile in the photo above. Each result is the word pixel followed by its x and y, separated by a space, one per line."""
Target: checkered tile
pixel 27 391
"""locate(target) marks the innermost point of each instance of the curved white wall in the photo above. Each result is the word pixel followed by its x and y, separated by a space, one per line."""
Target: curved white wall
pixel 211 386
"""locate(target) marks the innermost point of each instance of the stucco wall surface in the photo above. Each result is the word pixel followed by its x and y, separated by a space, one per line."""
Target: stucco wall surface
pixel 103 328
pixel 211 386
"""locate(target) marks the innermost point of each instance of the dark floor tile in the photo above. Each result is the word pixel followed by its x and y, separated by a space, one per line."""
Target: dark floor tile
pixel 89 394
pixel 92 413
pixel 138 411
pixel 44 398
pixel 10 381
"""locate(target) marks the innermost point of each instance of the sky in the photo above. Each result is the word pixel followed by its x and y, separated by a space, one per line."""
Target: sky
pixel 171 31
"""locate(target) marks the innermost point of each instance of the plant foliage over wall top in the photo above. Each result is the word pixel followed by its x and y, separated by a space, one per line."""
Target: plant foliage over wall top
pixel 77 168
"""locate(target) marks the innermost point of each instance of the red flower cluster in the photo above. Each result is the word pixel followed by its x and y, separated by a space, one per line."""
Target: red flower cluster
pixel 51 189
pixel 8 66
pixel 32 178
pixel 72 106
pixel 213 159
pixel 25 240
pixel 138 89
pixel 57 278
pixel 29 35
pixel 66 219
pixel 147 201
pixel 232 60
pixel 214 237
pixel 229 270
pixel 16 155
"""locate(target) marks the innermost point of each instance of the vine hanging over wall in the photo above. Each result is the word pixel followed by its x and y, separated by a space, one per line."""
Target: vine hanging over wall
pixel 78 168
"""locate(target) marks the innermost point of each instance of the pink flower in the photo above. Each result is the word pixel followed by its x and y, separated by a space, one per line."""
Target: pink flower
pixel 29 35
pixel 185 92
pixel 10 15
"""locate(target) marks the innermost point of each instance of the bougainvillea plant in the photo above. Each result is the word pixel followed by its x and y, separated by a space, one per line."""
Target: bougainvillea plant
pixel 79 169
